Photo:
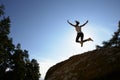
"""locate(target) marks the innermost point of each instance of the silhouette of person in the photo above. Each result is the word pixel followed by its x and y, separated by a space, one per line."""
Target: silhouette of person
pixel 80 34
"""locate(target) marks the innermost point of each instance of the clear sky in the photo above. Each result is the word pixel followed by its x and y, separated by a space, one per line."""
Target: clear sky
pixel 41 26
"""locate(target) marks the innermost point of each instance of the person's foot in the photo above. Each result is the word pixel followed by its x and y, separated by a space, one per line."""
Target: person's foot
pixel 90 39
pixel 81 43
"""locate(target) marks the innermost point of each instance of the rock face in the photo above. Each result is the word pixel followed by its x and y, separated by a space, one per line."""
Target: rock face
pixel 101 64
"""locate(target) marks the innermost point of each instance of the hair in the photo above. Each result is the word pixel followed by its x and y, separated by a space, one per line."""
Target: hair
pixel 77 22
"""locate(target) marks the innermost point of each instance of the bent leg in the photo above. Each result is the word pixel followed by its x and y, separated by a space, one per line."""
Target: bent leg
pixel 85 40
pixel 89 39
pixel 81 42
pixel 77 37
pixel 82 36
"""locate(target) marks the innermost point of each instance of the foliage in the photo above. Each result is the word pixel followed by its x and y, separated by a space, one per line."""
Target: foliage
pixel 14 62
pixel 114 41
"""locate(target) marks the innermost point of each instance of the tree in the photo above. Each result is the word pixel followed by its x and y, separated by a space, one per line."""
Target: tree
pixel 6 46
pixel 32 70
pixel 114 41
pixel 2 10
pixel 14 62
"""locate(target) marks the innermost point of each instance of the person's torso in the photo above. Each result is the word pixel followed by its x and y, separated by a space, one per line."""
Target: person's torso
pixel 78 29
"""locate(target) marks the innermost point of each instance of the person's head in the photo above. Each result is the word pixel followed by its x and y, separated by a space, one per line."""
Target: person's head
pixel 77 22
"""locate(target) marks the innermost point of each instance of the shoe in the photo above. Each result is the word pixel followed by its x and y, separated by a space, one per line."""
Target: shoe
pixel 90 39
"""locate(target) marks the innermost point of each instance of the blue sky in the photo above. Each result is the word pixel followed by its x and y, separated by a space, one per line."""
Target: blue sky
pixel 41 26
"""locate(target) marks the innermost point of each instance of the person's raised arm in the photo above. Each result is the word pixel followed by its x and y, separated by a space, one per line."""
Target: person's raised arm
pixel 84 24
pixel 70 23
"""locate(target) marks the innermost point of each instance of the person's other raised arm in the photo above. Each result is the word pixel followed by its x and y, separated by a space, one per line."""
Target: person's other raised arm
pixel 84 24
pixel 70 23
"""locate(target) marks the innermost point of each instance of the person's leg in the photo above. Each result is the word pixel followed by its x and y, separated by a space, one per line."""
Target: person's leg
pixel 77 37
pixel 89 39
pixel 82 37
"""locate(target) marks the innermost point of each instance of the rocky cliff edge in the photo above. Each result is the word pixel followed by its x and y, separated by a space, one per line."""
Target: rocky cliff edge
pixel 100 64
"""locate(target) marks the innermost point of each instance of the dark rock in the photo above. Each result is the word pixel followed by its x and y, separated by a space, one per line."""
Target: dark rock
pixel 101 64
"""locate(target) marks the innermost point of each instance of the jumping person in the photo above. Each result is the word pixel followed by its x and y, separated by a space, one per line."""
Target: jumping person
pixel 80 34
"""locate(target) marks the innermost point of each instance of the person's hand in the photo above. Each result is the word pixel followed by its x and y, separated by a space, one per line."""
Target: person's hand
pixel 68 21
pixel 87 21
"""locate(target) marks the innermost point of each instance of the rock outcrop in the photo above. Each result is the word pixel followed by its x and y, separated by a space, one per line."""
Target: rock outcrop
pixel 101 64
